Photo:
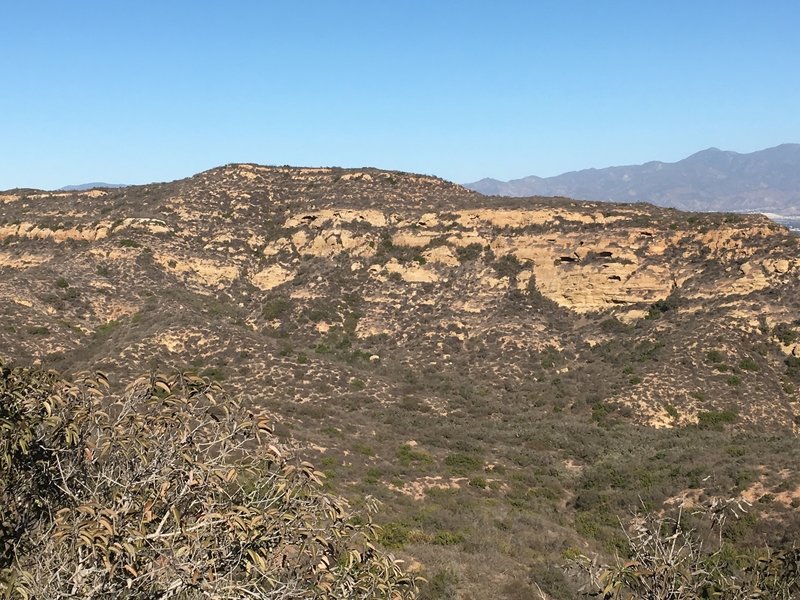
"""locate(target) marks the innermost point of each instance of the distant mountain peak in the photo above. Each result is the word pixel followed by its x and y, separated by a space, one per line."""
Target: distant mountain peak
pixel 89 186
pixel 711 153
pixel 709 180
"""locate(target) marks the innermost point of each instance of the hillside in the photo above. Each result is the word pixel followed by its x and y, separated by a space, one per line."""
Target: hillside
pixel 711 180
pixel 509 376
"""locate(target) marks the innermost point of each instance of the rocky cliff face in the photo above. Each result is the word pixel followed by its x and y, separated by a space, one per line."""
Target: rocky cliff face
pixel 585 257
pixel 244 235
pixel 396 308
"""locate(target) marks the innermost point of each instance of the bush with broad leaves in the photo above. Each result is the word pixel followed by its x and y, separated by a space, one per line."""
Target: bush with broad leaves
pixel 171 489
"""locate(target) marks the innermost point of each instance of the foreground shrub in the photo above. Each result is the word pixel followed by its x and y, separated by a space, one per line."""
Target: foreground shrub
pixel 171 489
pixel 666 561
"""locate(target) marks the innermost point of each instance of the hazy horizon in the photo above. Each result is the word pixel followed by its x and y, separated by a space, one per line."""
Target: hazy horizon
pixel 99 183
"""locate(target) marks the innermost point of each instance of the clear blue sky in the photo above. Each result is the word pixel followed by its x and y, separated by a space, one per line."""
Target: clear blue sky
pixel 137 91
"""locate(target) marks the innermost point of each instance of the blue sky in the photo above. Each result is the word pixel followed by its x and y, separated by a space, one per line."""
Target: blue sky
pixel 149 91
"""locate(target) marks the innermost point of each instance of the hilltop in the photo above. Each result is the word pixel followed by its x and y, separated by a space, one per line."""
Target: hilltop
pixel 508 375
pixel 710 180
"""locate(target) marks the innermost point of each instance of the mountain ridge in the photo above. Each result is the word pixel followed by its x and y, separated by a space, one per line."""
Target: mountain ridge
pixel 80 187
pixel 709 180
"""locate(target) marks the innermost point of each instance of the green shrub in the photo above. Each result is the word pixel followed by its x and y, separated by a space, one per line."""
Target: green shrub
pixel 660 307
pixel 470 252
pixel 447 538
pixel 407 455
pixel 318 314
pixel 614 326
pixel 364 449
pixel 507 266
pixel 736 451
pixel 38 330
pixel 716 419
pixel 734 380
pixel 441 586
pixel 785 333
pixel 478 482
pixel 350 323
pixel 671 411
pixel 393 535
pixel 792 367
pixel 462 463
pixel 748 364
pixel 105 329
pixel 593 523
pixel 274 308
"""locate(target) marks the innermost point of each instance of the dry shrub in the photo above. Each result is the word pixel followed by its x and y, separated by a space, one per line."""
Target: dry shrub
pixel 667 561
pixel 169 490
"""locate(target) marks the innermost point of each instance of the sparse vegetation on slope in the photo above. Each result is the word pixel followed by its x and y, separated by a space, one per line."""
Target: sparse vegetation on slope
pixel 483 367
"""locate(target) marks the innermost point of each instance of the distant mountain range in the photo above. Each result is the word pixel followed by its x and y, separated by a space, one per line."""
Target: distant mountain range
pixel 711 180
pixel 89 186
